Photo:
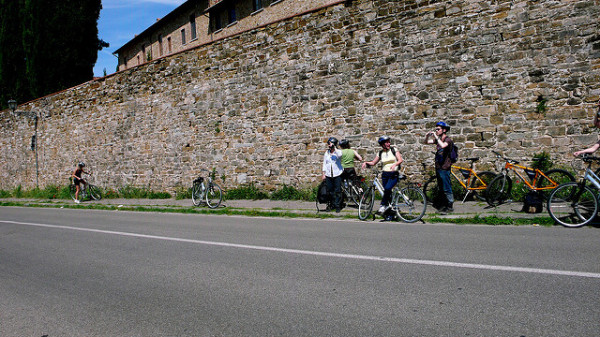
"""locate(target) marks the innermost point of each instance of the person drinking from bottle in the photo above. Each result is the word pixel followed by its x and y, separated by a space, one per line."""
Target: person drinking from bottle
pixel 443 163
pixel 332 174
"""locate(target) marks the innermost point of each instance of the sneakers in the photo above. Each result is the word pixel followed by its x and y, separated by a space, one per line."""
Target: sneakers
pixel 445 210
pixel 383 209
pixel 77 201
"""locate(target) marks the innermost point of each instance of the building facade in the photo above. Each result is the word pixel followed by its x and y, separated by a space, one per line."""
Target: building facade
pixel 198 22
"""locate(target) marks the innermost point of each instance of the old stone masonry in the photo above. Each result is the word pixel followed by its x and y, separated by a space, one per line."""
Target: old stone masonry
pixel 519 77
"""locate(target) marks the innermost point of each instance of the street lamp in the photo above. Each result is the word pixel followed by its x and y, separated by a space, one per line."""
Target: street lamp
pixel 12 105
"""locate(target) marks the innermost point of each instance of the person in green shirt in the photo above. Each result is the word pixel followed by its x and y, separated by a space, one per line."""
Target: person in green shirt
pixel 348 157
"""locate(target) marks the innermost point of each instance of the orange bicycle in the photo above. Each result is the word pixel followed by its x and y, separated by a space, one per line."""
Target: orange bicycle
pixel 469 180
pixel 499 189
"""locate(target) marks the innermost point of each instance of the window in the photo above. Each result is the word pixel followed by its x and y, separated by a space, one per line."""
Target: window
pixel 193 26
pixel 169 48
pixel 183 36
pixel 218 23
pixel 231 16
pixel 160 45
pixel 256 5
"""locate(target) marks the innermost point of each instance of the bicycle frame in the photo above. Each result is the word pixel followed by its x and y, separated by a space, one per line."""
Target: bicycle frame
pixel 468 178
pixel 592 178
pixel 534 179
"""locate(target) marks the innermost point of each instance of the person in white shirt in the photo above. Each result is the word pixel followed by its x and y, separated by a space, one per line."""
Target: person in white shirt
pixel 332 174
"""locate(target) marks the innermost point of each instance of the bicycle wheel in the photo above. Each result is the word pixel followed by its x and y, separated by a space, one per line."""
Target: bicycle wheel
pixel 72 190
pixel 498 191
pixel 572 204
pixel 94 192
pixel 197 194
pixel 559 176
pixel 214 195
pixel 355 191
pixel 431 190
pixel 479 185
pixel 365 207
pixel 409 203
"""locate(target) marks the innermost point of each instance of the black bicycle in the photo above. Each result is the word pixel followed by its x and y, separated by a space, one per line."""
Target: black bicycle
pixel 86 191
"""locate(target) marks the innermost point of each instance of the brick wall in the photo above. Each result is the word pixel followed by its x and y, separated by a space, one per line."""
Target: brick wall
pixel 259 106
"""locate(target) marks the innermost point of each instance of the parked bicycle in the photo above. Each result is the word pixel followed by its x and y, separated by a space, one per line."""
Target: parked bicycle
pixel 206 191
pixel 575 204
pixel 353 189
pixel 499 189
pixel 470 181
pixel 87 191
pixel 408 202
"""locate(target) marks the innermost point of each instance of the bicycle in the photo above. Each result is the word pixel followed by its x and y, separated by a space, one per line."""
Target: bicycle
pixel 353 188
pixel 85 191
pixel 408 203
pixel 499 189
pixel 206 191
pixel 469 180
pixel 575 204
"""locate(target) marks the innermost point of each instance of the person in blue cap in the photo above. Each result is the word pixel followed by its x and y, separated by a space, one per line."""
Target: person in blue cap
pixel 443 163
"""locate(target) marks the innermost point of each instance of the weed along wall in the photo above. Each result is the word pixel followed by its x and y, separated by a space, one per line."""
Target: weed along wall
pixel 520 77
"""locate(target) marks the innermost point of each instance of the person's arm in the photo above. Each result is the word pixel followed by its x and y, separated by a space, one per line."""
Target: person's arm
pixel 357 156
pixel 324 166
pixel 428 139
pixel 73 175
pixel 591 149
pixel 371 163
pixel 398 161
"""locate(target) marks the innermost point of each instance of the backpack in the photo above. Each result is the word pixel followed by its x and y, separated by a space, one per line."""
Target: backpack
pixel 322 195
pixel 533 203
pixel 454 153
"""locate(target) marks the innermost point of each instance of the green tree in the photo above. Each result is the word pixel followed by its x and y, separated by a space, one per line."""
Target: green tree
pixel 54 46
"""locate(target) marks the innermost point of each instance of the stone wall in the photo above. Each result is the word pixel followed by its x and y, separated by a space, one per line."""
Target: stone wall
pixel 259 106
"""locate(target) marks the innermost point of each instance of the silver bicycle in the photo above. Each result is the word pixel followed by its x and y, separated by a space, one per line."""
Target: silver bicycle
pixel 206 191
pixel 408 202
pixel 575 204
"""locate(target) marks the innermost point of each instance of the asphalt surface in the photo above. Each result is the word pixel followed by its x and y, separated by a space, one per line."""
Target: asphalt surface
pixel 80 272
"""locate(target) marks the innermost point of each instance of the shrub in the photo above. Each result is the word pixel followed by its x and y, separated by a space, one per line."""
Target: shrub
pixel 248 192
pixel 291 193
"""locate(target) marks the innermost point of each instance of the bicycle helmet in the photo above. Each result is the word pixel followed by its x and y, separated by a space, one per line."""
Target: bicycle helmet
pixel 81 164
pixel 344 144
pixel 383 139
pixel 333 141
pixel 443 126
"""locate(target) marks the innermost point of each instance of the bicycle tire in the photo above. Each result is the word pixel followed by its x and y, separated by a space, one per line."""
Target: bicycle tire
pixel 572 205
pixel 94 192
pixel 72 190
pixel 431 190
pixel 214 195
pixel 365 207
pixel 355 192
pixel 498 191
pixel 409 203
pixel 197 194
pixel 559 176
pixel 480 185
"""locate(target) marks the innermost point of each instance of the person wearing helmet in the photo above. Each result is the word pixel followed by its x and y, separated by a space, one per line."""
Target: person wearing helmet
pixel 596 146
pixel 348 157
pixel 391 160
pixel 443 164
pixel 332 174
pixel 78 180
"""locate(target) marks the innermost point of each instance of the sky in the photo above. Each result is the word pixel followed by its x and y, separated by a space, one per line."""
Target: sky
pixel 120 20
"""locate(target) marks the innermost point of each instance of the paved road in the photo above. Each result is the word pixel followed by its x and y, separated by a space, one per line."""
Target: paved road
pixel 98 273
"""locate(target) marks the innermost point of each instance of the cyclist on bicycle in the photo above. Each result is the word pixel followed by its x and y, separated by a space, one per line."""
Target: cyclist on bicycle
pixel 332 174
pixel 348 157
pixel 596 146
pixel 77 179
pixel 443 164
pixel 391 160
